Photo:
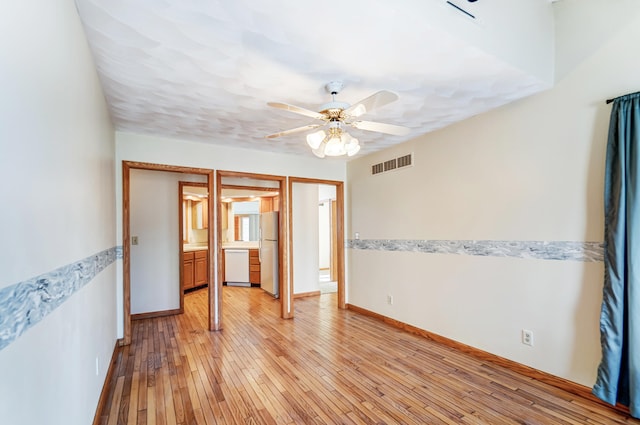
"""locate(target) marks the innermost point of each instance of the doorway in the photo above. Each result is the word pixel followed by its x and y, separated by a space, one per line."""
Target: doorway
pixel 155 249
pixel 193 225
pixel 327 258
pixel 243 199
pixel 214 296
pixel 303 199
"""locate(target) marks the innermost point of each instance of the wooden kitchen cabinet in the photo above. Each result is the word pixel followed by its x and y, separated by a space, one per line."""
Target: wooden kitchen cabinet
pixel 254 266
pixel 187 270
pixel 195 269
pixel 200 272
pixel 268 204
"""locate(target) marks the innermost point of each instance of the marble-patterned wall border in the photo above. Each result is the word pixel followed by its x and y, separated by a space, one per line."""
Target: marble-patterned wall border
pixel 541 250
pixel 25 303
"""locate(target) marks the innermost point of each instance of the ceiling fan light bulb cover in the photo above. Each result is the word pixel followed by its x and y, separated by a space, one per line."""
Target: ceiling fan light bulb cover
pixel 335 147
pixel 352 143
pixel 354 149
pixel 315 139
pixel 319 152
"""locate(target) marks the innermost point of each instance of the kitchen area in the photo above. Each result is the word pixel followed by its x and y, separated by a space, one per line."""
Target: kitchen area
pixel 249 236
pixel 194 234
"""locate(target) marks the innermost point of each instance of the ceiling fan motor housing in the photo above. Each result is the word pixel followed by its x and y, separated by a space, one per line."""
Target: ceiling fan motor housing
pixel 333 108
pixel 334 87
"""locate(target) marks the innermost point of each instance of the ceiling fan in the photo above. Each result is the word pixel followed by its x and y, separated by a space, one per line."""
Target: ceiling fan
pixel 336 116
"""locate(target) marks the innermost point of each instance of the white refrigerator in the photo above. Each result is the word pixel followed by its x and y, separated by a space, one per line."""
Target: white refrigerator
pixel 269 253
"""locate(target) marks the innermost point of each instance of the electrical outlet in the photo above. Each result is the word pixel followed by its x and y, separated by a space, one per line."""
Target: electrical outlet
pixel 390 299
pixel 97 366
pixel 357 235
pixel 134 240
pixel 527 337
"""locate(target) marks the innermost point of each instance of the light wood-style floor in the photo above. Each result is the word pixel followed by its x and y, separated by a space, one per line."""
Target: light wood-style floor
pixel 326 366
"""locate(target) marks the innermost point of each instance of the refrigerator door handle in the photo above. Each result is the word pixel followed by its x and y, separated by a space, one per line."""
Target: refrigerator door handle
pixel 260 245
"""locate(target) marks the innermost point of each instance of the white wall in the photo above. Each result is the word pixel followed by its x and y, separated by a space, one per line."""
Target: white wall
pixel 581 30
pixel 57 166
pixel 155 261
pixel 532 170
pixel 304 201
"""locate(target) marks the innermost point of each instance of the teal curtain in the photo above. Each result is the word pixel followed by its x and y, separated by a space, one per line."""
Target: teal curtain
pixel 618 378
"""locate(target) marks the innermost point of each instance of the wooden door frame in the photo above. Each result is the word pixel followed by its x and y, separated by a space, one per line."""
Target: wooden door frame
pixel 286 295
pixel 214 294
pixel 339 232
pixel 333 262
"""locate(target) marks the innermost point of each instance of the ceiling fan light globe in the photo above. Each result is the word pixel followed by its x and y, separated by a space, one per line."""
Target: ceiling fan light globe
pixel 352 143
pixel 319 152
pixel 335 147
pixel 314 140
pixel 353 150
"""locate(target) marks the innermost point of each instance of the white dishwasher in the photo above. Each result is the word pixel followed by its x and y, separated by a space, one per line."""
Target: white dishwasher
pixel 236 267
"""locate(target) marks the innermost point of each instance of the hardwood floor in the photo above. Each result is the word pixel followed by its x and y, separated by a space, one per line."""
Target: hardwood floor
pixel 325 366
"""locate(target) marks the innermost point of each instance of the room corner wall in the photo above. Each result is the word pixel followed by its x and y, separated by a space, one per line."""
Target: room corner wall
pixel 57 262
pixel 498 225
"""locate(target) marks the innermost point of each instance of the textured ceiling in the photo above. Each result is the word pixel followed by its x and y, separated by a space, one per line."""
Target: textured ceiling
pixel 205 70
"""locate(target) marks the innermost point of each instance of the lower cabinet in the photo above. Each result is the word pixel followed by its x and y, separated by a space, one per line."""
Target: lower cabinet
pixel 195 267
pixel 254 266
pixel 201 269
pixel 187 270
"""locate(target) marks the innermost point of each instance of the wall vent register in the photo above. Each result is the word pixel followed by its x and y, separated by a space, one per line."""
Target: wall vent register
pixel 392 164
pixel 377 168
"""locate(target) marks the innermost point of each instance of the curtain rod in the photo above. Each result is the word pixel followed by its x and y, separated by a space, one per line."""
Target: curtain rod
pixel 614 98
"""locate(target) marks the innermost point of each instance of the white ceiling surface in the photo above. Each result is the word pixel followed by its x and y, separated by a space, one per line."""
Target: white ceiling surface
pixel 205 70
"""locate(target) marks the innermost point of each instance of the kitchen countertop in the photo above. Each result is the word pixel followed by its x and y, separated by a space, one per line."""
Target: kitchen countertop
pixel 189 247
pixel 241 245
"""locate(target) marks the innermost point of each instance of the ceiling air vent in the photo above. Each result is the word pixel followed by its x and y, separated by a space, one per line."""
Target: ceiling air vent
pixel 392 164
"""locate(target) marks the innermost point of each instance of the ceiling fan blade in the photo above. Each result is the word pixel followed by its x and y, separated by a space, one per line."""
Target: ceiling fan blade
pixel 395 130
pixel 293 130
pixel 376 100
pixel 297 110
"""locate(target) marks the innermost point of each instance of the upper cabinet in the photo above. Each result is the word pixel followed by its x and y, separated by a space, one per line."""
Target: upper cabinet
pixel 198 210
pixel 195 213
pixel 270 203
